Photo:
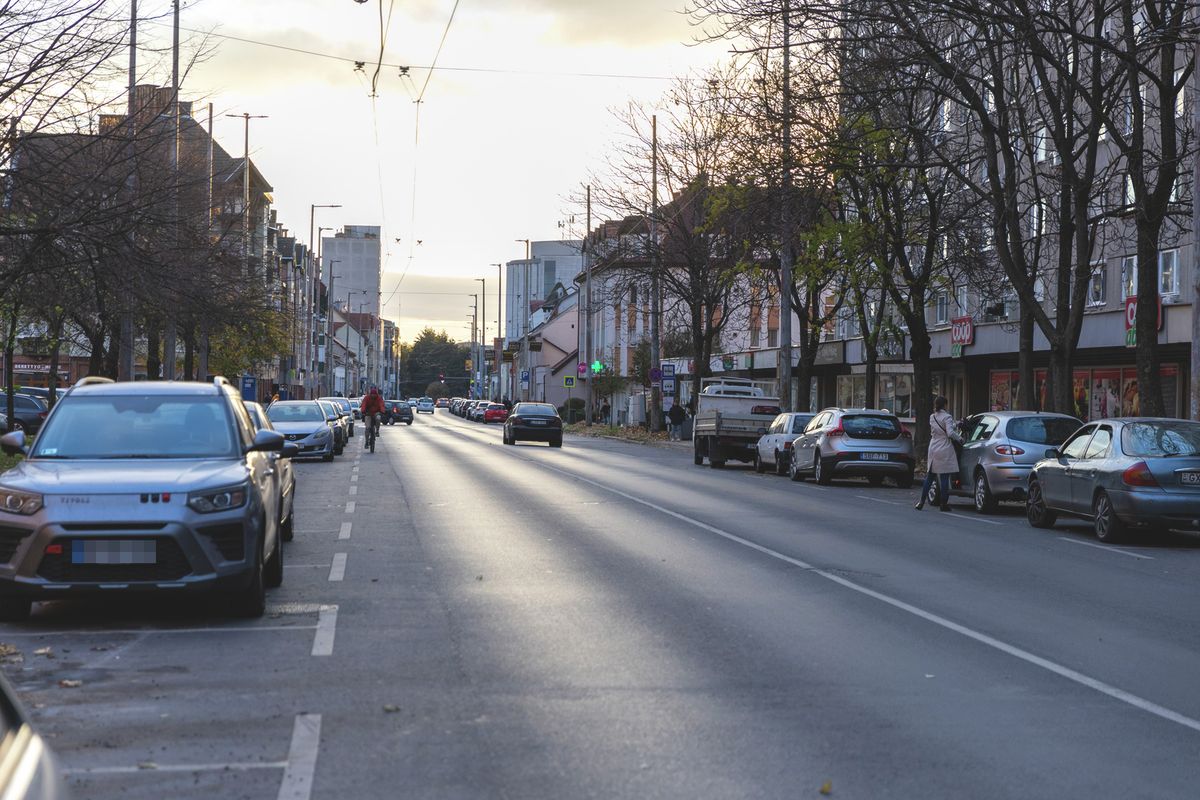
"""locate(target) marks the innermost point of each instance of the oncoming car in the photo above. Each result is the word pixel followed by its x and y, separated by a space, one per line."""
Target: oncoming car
pixel 153 487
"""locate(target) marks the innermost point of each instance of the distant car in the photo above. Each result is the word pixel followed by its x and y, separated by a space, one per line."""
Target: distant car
pixel 341 426
pixel 494 412
pixel 412 402
pixel 160 487
pixel 399 411
pixel 348 408
pixel 477 409
pixel 537 422
pixel 285 477
pixel 854 442
pixel 442 402
pixel 999 451
pixel 355 407
pixel 1123 474
pixel 425 405
pixel 30 412
pixel 775 446
pixel 33 771
pixel 305 423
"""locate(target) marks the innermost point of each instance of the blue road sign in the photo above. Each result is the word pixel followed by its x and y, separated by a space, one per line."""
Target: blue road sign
pixel 249 387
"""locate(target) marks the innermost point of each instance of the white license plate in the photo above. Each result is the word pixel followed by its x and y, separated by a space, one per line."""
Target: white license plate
pixel 113 551
pixel 874 456
pixel 537 422
pixel 1190 478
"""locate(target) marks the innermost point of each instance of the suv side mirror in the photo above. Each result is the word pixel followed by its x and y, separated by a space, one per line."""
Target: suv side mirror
pixel 1052 453
pixel 267 441
pixel 13 444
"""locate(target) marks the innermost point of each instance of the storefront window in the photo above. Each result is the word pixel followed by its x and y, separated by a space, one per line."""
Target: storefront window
pixel 895 394
pixel 1097 393
pixel 852 391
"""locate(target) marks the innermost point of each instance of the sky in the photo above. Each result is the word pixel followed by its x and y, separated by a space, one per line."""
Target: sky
pixel 501 154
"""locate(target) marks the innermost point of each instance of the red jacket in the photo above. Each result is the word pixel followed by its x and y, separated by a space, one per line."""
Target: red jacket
pixel 373 404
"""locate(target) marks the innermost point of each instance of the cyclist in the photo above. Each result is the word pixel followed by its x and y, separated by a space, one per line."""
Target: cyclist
pixel 372 410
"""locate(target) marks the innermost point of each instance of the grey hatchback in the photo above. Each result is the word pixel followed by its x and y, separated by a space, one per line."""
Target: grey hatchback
pixel 1137 472
pixel 161 486
pixel 847 442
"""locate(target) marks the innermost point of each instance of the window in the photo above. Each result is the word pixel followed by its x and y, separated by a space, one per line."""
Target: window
pixel 772 337
pixel 982 428
pixel 1036 219
pixel 1128 277
pixel 1168 272
pixel 941 308
pixel 1044 146
pixel 1100 442
pixel 1076 446
pixel 1130 194
pixel 960 298
pixel 1181 95
pixel 895 394
pixel 1176 195
pixel 1096 285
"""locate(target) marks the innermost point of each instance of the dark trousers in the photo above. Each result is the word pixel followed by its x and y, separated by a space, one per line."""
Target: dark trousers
pixel 943 479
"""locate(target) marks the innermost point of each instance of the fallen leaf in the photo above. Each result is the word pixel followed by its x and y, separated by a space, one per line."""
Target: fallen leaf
pixel 478 577
pixel 48 652
pixel 827 787
pixel 390 709
pixel 147 765
pixel 69 683
pixel 7 650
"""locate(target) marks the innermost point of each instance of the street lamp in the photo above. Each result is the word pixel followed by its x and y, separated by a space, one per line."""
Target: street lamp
pixel 310 279
pixel 483 377
pixel 525 315
pixel 329 327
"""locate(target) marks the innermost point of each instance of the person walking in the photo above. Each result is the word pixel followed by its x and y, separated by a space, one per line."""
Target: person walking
pixel 942 460
pixel 676 415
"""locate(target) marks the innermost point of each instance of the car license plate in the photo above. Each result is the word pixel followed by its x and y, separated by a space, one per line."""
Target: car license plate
pixel 537 422
pixel 1190 478
pixel 875 456
pixel 113 551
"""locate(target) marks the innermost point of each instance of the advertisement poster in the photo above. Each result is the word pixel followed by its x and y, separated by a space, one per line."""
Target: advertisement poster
pixel 1106 393
pixel 1001 392
pixel 1170 390
pixel 1039 377
pixel 1079 391
pixel 1130 403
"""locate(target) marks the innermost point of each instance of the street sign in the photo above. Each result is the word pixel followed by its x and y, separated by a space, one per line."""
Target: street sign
pixel 1131 304
pixel 668 386
pixel 568 381
pixel 249 387
pixel 524 376
pixel 668 370
pixel 962 331
pixel 581 368
pixel 656 374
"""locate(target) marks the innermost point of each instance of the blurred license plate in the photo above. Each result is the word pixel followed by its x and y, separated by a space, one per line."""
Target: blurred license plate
pixel 113 551
pixel 875 456
pixel 1192 478
pixel 537 422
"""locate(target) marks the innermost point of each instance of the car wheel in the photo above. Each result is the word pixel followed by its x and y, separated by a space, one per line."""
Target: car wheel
pixel 15 609
pixel 759 467
pixel 287 529
pixel 1035 508
pixel 794 470
pixel 985 503
pixel 821 474
pixel 697 456
pixel 1108 526
pixel 252 600
pixel 875 480
pixel 556 443
pixel 781 466
pixel 273 570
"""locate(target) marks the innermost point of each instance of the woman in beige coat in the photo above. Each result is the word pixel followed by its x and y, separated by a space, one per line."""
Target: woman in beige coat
pixel 943 458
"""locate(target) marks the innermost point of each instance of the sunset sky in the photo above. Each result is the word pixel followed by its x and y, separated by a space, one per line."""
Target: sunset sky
pixel 501 151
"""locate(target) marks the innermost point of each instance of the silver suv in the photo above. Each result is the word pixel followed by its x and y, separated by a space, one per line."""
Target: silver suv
pixel 1000 449
pixel 854 442
pixel 162 487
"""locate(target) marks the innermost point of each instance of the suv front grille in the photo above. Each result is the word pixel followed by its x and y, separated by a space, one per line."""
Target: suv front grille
pixel 229 538
pixel 10 540
pixel 171 565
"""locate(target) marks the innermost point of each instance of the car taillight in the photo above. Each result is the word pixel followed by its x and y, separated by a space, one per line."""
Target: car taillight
pixel 787 445
pixel 1009 450
pixel 838 431
pixel 515 419
pixel 1138 475
pixel 905 433
pixel 42 414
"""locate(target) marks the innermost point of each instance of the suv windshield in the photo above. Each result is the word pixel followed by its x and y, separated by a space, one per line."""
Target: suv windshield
pixel 138 426
pixel 1042 430
pixel 1161 439
pixel 295 412
pixel 870 426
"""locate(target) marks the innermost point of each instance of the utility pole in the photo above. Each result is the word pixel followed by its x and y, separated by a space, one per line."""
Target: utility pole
pixel 787 256
pixel 483 382
pixel 202 364
pixel 524 368
pixel 499 325
pixel 655 290
pixel 125 361
pixel 168 360
pixel 311 279
pixel 1194 377
pixel 246 236
pixel 329 328
pixel 587 330
pixel 474 344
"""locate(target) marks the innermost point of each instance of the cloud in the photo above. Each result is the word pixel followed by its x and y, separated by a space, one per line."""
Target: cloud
pixel 630 23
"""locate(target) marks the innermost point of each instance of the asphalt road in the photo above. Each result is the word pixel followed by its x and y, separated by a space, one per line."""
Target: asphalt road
pixel 461 619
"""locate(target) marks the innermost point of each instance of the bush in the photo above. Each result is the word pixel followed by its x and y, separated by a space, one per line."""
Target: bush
pixel 573 410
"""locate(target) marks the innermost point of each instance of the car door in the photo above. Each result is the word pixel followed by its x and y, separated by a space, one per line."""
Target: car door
pixel 769 444
pixel 1082 473
pixel 979 430
pixel 804 445
pixel 263 474
pixel 1053 473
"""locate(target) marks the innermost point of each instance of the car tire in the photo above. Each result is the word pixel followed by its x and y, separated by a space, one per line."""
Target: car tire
pixel 556 442
pixel 821 473
pixel 875 480
pixel 794 471
pixel 697 456
pixel 905 481
pixel 251 601
pixel 781 466
pixel 1109 528
pixel 1036 512
pixel 15 609
pixel 287 529
pixel 273 569
pixel 759 466
pixel 985 501
pixel 327 457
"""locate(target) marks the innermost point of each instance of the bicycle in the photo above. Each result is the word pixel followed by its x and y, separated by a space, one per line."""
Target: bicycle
pixel 373 431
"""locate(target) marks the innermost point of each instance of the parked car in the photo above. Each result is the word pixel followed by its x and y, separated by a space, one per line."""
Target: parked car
pixel 854 442
pixel 537 422
pixel 305 423
pixel 398 411
pixel 33 772
pixel 425 405
pixel 442 402
pixel 494 412
pixel 1122 474
pixel 30 412
pixel 775 446
pixel 341 425
pixel 355 407
pixel 350 411
pixel 477 410
pixel 999 451
pixel 142 487
pixel 285 477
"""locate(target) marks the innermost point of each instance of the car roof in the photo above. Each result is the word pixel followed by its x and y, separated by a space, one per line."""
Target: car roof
pixel 182 388
pixel 1012 414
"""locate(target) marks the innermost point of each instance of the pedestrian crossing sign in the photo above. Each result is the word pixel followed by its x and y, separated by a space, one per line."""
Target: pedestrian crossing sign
pixel 568 381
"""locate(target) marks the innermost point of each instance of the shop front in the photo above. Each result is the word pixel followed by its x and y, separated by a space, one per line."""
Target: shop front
pixel 1098 392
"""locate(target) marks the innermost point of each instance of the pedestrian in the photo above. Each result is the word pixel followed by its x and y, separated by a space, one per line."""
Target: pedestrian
pixel 942 459
pixel 676 415
pixel 605 411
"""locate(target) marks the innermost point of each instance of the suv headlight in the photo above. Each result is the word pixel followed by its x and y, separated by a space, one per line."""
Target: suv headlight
pixel 14 501
pixel 214 500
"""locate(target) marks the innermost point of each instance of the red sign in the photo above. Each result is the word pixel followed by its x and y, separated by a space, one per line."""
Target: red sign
pixel 962 331
pixel 1131 313
pixel 581 368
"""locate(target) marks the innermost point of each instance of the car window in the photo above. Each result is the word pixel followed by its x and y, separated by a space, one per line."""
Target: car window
pixel 535 409
pixel 871 426
pixel 1161 439
pixel 1100 442
pixel 982 428
pixel 296 412
pixel 777 424
pixel 245 426
pixel 139 426
pixel 1051 431
pixel 816 423
pixel 799 421
pixel 1076 446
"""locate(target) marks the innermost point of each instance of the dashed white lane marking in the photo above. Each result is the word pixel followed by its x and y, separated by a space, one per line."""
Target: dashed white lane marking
pixel 243 765
pixel 326 629
pixel 1116 550
pixel 350 507
pixel 990 641
pixel 353 489
pixel 878 500
pixel 972 519
pixel 337 570
pixel 354 478
pixel 303 566
pixel 297 783
pixel 344 533
pixel 157 631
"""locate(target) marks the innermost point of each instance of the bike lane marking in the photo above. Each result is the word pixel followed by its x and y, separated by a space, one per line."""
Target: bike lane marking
pixel 337 570
pixel 297 783
pixel 344 533
pixel 326 630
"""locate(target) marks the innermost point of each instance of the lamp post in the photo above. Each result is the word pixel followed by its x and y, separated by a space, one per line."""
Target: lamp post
pixel 329 329
pixel 483 376
pixel 524 368
pixel 499 325
pixel 311 276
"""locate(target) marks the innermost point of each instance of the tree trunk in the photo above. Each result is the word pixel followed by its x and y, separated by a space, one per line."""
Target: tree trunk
pixel 922 401
pixel 96 346
pixel 10 341
pixel 189 354
pixel 113 353
pixel 55 351
pixel 1150 396
pixel 154 362
pixel 1027 391
pixel 1061 390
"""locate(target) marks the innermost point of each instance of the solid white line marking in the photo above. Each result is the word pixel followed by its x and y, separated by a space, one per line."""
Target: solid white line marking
pixel 1109 549
pixel 136 631
pixel 878 500
pixel 337 570
pixel 990 641
pixel 297 781
pixel 350 507
pixel 244 765
pixel 344 533
pixel 326 628
pixel 973 519
pixel 353 489
pixel 303 566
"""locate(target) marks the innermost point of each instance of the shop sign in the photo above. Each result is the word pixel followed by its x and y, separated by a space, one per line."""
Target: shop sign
pixel 1131 304
pixel 962 334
